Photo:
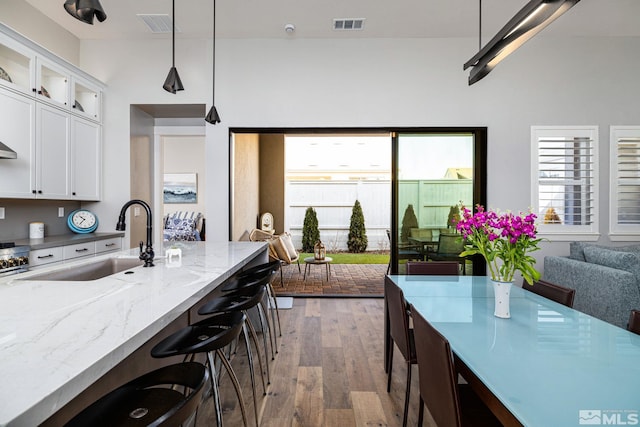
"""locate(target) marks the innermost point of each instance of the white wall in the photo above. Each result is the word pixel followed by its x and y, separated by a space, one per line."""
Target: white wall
pixel 379 82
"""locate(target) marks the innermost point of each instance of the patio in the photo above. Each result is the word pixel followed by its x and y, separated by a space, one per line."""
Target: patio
pixel 346 280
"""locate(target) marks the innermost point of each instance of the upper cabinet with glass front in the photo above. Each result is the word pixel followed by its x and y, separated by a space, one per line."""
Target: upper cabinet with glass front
pixel 17 66
pixel 29 69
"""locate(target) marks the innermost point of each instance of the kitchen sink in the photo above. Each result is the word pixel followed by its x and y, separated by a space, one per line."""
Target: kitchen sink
pixel 88 272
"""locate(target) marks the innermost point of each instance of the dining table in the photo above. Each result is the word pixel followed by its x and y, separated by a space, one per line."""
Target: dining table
pixel 546 365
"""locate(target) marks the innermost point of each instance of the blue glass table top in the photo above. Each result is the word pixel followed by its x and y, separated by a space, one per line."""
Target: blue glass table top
pixel 548 364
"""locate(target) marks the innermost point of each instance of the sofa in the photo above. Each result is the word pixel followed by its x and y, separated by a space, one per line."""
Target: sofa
pixel 606 279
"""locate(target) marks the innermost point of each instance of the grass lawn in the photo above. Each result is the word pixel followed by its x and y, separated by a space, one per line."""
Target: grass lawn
pixel 348 258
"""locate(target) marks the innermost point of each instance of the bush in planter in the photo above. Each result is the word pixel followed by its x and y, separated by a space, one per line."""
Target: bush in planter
pixel 357 240
pixel 409 221
pixel 310 231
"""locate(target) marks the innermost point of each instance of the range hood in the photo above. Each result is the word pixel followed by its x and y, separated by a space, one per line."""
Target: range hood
pixel 7 153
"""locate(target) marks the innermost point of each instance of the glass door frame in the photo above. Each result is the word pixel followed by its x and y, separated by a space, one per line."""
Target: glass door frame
pixel 479 181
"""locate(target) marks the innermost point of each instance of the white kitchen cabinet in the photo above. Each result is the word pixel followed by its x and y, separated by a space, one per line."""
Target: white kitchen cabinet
pixel 108 245
pixel 52 169
pixel 78 250
pixel 52 117
pixel 45 256
pixel 16 65
pixel 18 133
pixel 86 159
pixel 86 99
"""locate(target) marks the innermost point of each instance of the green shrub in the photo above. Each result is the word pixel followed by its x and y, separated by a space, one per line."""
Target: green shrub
pixel 357 240
pixel 409 221
pixel 310 231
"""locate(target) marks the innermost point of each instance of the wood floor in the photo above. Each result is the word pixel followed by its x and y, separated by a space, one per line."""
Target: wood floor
pixel 328 371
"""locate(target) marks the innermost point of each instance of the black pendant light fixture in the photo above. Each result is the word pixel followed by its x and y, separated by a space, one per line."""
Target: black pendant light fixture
pixel 528 22
pixel 212 116
pixel 173 83
pixel 85 10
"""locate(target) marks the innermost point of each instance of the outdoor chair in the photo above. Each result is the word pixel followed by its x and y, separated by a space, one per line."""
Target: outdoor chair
pixel 450 246
pixel 408 251
pixel 634 321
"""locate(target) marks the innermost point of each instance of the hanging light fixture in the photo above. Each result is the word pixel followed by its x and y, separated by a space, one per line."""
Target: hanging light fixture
pixel 85 10
pixel 528 22
pixel 173 83
pixel 212 116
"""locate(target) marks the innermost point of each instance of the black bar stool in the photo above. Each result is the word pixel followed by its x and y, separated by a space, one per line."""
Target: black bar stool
pixel 208 336
pixel 252 277
pixel 146 400
pixel 243 300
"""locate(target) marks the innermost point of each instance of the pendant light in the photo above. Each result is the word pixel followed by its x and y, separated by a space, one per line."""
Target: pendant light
pixel 85 10
pixel 529 21
pixel 173 83
pixel 212 116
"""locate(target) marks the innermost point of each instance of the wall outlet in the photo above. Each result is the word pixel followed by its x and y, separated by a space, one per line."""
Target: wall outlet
pixel 136 211
pixel 60 212
pixel 1 213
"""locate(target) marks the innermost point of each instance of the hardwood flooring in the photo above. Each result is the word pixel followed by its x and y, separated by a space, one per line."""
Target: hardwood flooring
pixel 328 371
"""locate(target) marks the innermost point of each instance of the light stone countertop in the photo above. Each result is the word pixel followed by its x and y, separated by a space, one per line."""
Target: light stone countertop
pixel 58 337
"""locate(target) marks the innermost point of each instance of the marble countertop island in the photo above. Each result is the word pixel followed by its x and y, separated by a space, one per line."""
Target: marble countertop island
pixel 58 337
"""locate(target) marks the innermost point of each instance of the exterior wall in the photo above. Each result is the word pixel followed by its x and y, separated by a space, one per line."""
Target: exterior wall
pixel 246 179
pixel 272 179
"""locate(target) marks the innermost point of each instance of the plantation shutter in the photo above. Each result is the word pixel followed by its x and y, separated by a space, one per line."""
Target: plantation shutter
pixel 565 191
pixel 625 182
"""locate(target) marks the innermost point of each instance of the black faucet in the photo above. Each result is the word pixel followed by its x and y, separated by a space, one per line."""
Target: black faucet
pixel 146 255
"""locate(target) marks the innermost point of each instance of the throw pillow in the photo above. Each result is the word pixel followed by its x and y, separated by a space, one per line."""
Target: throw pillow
pixel 280 249
pixel 183 221
pixel 576 249
pixel 627 261
pixel 288 243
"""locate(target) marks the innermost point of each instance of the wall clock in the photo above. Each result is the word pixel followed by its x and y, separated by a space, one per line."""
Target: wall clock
pixel 82 221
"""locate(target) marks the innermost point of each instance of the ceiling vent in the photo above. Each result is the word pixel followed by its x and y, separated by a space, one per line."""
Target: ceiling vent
pixel 348 24
pixel 158 23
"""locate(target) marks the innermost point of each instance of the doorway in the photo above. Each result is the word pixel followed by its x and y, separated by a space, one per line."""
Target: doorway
pixel 459 153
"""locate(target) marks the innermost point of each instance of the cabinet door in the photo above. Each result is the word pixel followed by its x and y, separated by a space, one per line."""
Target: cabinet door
pixel 17 132
pixel 52 153
pixel 16 65
pixel 52 83
pixel 86 99
pixel 86 159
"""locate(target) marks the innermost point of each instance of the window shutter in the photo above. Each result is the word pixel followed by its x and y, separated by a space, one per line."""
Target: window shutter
pixel 624 203
pixel 565 194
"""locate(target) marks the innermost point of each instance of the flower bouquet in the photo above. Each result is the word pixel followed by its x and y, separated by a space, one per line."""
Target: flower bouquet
pixel 504 240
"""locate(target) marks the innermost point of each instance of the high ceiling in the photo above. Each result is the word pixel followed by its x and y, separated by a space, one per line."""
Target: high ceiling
pixel 314 18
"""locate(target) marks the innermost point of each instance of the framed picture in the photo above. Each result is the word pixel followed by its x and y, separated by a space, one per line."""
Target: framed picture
pixel 180 188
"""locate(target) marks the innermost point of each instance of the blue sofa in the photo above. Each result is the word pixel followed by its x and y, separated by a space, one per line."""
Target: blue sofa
pixel 606 279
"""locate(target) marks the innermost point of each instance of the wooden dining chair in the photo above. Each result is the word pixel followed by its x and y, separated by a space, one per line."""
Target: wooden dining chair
pixel 634 322
pixel 434 268
pixel 401 335
pixel 449 403
pixel 554 292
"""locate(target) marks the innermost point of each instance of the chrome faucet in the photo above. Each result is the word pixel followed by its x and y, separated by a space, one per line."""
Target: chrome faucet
pixel 147 254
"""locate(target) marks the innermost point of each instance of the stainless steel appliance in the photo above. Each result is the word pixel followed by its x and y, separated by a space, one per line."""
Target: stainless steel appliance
pixel 13 259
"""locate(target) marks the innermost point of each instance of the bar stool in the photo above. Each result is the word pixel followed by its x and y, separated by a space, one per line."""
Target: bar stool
pixel 251 277
pixel 146 401
pixel 208 336
pixel 243 300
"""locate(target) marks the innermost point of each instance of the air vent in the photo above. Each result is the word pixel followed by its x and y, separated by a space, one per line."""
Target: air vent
pixel 348 24
pixel 158 23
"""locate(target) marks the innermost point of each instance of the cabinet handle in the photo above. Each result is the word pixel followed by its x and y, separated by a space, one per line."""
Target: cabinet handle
pixel 82 250
pixel 39 191
pixel 110 244
pixel 33 191
pixel 45 256
pixel 74 193
pixel 39 92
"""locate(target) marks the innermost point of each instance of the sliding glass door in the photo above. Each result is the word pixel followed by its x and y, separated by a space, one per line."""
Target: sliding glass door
pixel 433 173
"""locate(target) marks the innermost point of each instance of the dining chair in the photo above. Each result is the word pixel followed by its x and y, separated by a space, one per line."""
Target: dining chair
pixel 449 403
pixel 634 322
pixel 434 268
pixel 401 335
pixel 551 291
